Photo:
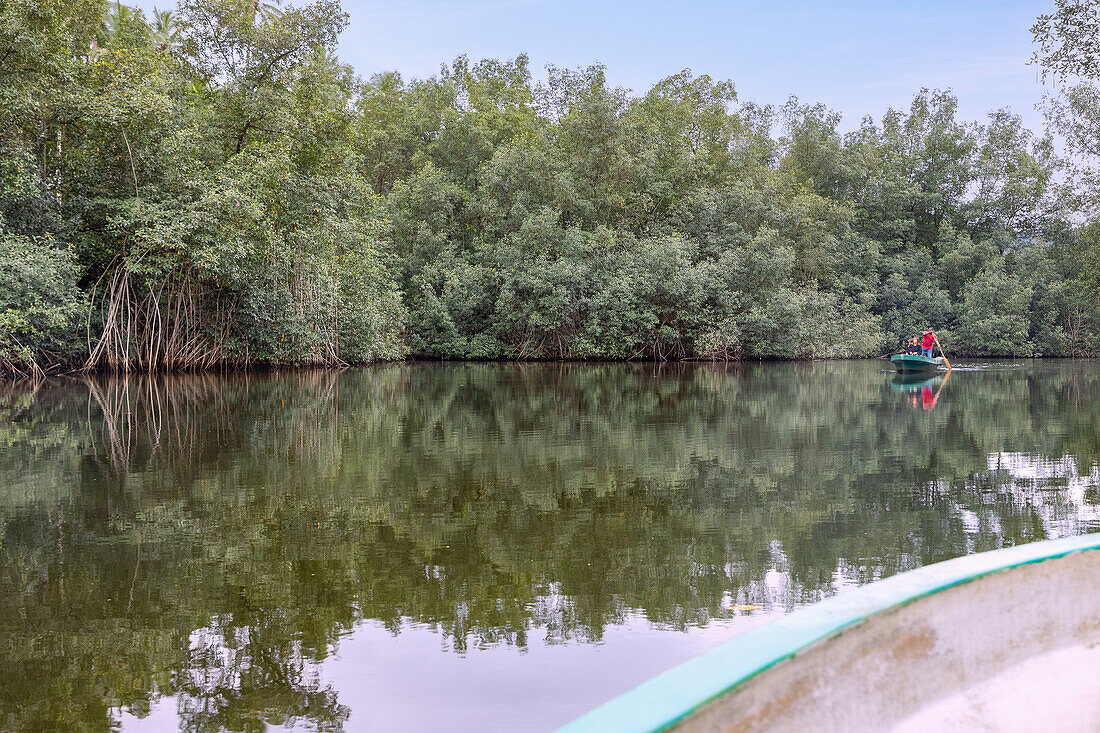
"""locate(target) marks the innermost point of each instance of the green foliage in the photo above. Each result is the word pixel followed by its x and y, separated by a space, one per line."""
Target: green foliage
pixel 1066 39
pixel 40 305
pixel 994 317
pixel 230 193
pixel 201 171
pixel 1067 52
pixel 672 225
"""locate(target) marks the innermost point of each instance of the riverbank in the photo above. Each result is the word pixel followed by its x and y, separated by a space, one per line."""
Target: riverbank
pixel 272 368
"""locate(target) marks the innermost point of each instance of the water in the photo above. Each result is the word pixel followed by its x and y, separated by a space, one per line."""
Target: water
pixel 482 546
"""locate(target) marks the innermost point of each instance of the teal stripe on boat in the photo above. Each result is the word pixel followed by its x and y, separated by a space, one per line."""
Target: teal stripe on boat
pixel 672 696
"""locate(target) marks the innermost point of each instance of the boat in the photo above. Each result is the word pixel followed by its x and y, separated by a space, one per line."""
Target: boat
pixel 1001 640
pixel 915 362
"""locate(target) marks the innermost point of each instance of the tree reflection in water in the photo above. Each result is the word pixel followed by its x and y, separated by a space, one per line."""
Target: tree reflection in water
pixel 211 537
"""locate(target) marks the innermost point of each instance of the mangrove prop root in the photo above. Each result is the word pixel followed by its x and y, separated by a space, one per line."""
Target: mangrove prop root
pixel 161 326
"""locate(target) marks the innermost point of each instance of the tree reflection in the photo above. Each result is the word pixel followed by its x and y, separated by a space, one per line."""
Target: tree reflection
pixel 241 677
pixel 922 389
pixel 211 538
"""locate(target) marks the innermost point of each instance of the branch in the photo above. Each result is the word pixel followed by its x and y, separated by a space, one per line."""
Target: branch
pixel 133 170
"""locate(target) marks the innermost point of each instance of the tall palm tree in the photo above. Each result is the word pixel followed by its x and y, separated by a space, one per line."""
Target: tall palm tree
pixel 117 17
pixel 266 10
pixel 166 34
pixel 114 20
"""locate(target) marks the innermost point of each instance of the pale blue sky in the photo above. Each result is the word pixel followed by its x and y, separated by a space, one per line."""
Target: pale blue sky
pixel 857 56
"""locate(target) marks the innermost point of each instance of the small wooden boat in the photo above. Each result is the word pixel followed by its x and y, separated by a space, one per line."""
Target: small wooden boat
pixel 915 362
pixel 1001 640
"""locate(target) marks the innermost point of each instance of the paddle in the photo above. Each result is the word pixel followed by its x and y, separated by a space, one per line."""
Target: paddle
pixel 945 361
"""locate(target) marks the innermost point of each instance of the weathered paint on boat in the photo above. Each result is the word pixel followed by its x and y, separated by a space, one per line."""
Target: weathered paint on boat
pixel 979 635
pixel 915 362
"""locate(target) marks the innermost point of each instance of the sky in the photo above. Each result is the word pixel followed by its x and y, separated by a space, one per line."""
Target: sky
pixel 859 57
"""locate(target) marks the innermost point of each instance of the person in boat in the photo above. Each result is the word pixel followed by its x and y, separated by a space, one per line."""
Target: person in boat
pixel 912 346
pixel 927 343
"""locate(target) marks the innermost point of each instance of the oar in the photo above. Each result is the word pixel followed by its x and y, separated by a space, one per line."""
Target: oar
pixel 945 361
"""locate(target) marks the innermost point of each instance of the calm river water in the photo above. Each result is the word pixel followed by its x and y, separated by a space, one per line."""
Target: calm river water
pixel 482 546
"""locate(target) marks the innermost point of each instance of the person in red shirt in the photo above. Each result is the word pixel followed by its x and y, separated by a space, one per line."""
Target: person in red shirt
pixel 926 344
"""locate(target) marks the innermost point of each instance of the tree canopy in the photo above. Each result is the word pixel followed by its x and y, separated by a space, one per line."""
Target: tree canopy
pixel 212 186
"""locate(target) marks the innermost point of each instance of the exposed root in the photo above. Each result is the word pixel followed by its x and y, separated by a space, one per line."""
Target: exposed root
pixel 164 326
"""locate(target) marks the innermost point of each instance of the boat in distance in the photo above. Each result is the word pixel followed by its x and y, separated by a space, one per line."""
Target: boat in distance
pixel 915 362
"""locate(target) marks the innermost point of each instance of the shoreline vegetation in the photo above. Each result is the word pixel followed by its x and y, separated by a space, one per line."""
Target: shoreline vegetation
pixel 211 188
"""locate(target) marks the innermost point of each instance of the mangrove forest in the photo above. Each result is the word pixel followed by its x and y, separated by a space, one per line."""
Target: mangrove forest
pixel 212 187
